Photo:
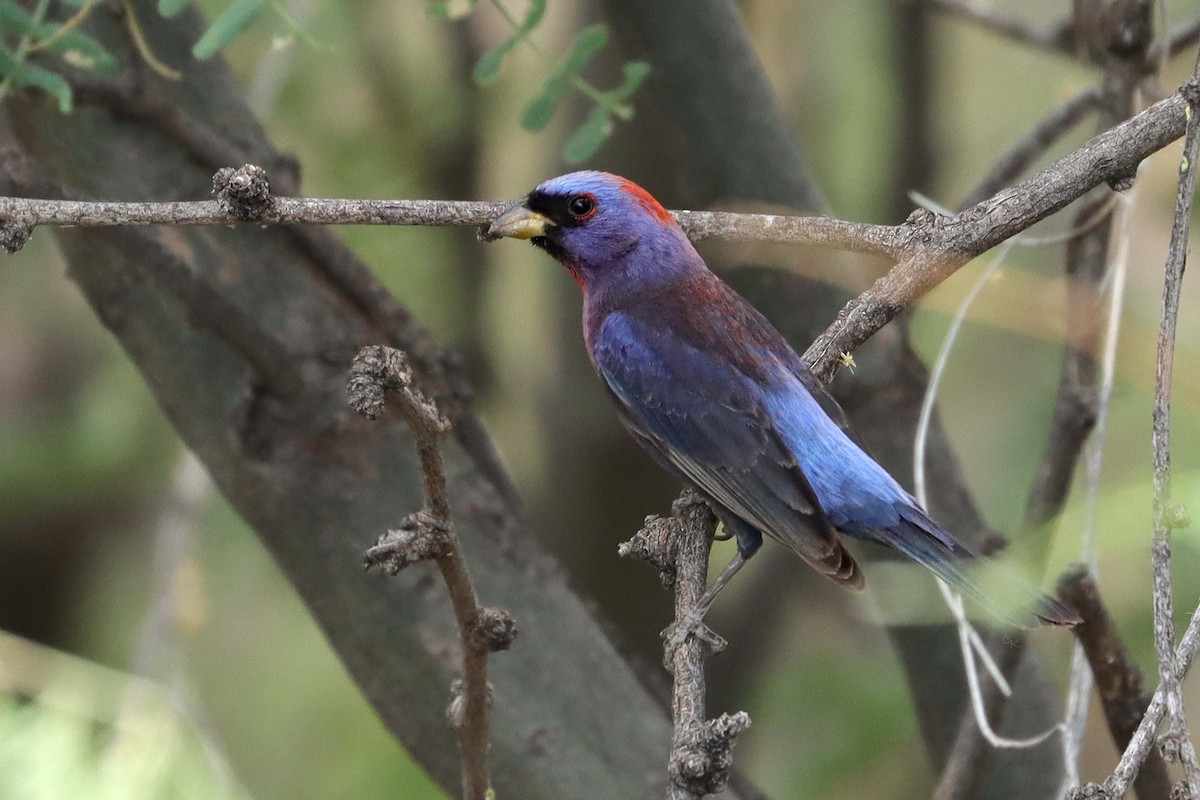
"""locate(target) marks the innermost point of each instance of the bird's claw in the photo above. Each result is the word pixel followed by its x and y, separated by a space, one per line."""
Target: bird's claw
pixel 691 626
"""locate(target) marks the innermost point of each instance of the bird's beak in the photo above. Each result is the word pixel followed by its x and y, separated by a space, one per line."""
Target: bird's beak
pixel 519 223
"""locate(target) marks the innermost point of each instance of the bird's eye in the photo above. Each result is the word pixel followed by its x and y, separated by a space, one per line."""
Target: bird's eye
pixel 581 206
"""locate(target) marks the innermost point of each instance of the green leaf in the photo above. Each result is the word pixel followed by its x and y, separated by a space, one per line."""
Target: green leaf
pixel 14 18
pixel 171 8
pixel 51 83
pixel 23 74
pixel 587 44
pixel 438 9
pixel 75 47
pixel 635 75
pixel 537 10
pixel 589 137
pixel 487 68
pixel 540 110
pixel 227 27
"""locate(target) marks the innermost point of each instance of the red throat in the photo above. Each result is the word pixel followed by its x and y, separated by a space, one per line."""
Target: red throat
pixel 646 201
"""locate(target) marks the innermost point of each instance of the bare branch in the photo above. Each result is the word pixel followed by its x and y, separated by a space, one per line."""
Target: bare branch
pixel 929 247
pixel 1165 516
pixel 377 374
pixel 1046 132
pixel 1182 38
pixel 1143 740
pixel 1059 38
pixel 1119 680
pixel 702 750
pixel 938 246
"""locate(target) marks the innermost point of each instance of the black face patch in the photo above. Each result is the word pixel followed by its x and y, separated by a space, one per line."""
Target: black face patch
pixel 557 208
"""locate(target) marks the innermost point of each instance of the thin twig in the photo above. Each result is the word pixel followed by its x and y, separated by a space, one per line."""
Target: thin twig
pixel 1143 740
pixel 1082 679
pixel 1164 513
pixel 813 230
pixel 380 373
pixel 1182 38
pixel 1026 150
pixel 1077 401
pixel 1058 37
pixel 1118 677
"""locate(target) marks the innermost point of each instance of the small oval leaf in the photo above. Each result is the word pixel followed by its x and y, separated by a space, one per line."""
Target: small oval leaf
pixel 487 68
pixel 14 18
pixel 49 82
pixel 635 75
pixel 227 27
pixel 539 111
pixel 537 10
pixel 587 44
pixel 587 140
pixel 171 8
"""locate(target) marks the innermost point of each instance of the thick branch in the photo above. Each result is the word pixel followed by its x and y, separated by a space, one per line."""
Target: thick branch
pixel 701 749
pixel 929 247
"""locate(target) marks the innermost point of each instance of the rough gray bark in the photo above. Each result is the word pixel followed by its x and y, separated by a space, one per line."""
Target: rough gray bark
pixel 245 337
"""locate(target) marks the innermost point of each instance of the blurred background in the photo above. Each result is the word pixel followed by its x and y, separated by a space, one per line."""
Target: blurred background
pixel 117 558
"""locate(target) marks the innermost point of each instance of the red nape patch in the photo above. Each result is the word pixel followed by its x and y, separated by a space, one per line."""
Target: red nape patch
pixel 646 201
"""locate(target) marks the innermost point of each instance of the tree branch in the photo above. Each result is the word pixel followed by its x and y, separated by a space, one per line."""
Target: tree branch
pixel 701 749
pixel 1143 741
pixel 939 245
pixel 1025 150
pixel 1166 515
pixel 379 373
pixel 1119 680
pixel 929 247
pixel 1076 404
pixel 1059 37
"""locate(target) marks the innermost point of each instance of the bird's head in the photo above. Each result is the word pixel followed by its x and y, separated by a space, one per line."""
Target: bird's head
pixel 598 225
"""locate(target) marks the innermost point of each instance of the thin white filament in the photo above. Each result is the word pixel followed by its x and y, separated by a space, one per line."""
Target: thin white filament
pixel 1080 687
pixel 970 643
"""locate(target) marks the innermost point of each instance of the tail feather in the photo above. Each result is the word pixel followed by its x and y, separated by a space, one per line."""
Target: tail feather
pixel 1000 589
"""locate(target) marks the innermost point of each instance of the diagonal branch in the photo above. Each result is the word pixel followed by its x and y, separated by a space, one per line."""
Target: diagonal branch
pixel 939 246
pixel 1059 37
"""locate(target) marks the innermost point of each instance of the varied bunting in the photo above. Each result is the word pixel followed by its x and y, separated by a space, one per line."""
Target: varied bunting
pixel 708 386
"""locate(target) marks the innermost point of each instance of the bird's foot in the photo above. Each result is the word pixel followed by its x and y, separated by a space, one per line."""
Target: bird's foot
pixel 690 627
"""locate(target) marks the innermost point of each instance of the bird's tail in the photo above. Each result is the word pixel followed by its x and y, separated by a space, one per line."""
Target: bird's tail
pixel 1000 589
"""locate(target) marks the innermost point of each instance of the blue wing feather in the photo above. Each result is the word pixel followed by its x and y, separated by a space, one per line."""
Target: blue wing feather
pixel 708 422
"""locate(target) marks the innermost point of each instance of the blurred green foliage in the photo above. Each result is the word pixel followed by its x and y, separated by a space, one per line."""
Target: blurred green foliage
pixel 389 110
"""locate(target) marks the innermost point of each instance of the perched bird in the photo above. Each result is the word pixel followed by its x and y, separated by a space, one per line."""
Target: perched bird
pixel 708 386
